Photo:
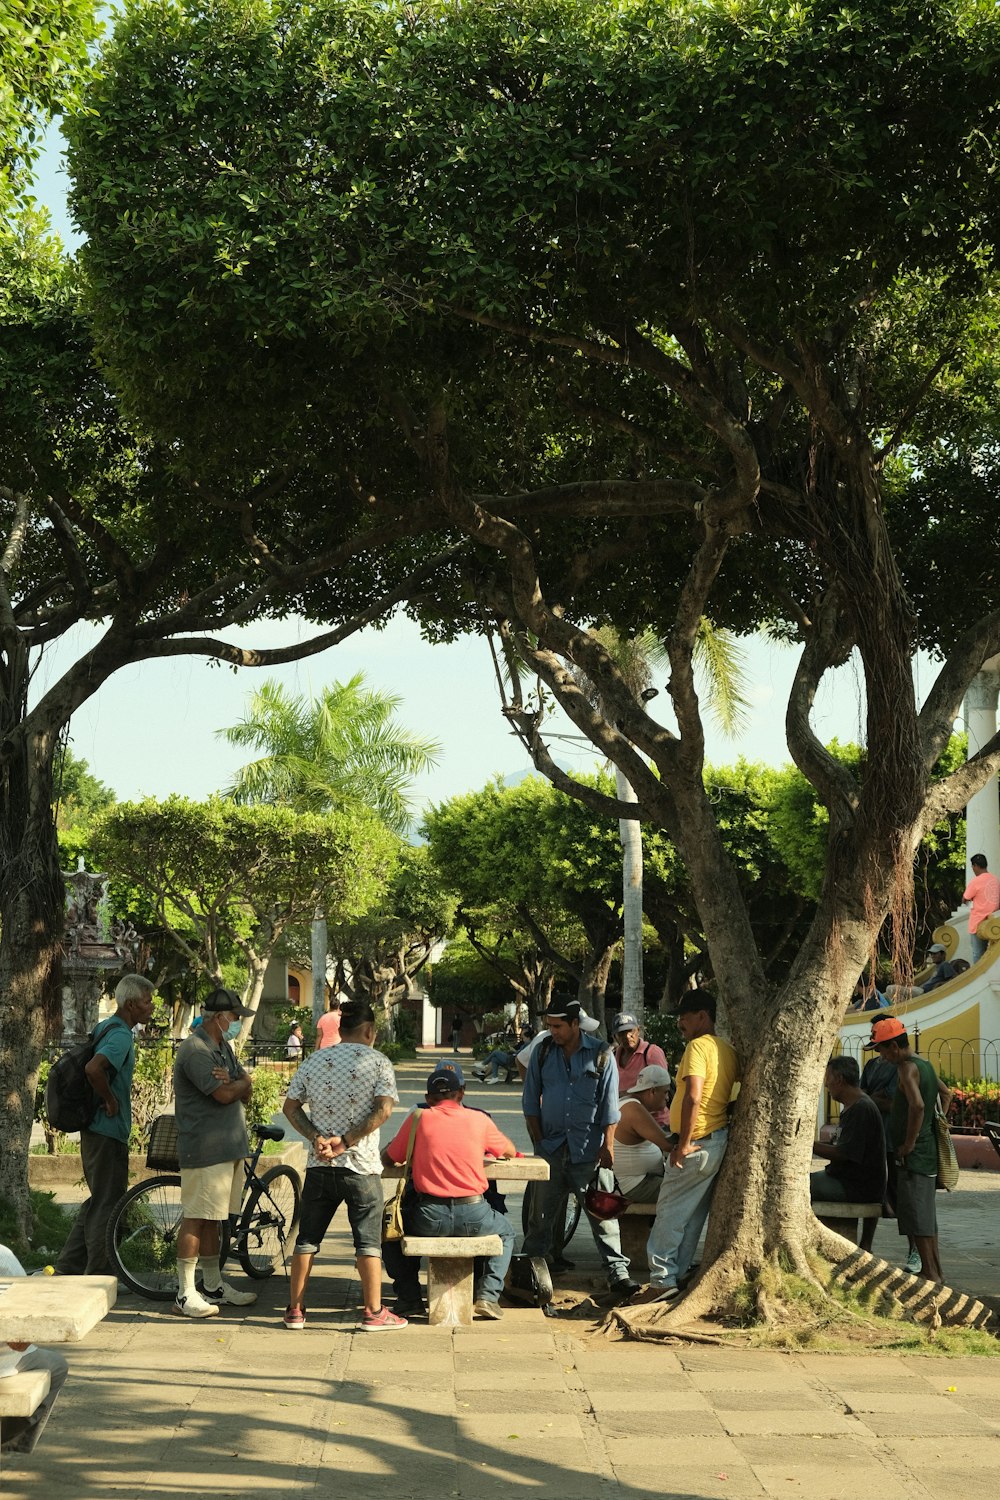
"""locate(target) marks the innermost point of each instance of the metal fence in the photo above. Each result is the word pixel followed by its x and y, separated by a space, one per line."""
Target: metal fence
pixel 970 1066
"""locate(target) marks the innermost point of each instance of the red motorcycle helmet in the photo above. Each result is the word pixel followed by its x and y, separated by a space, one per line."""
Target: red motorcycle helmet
pixel 602 1203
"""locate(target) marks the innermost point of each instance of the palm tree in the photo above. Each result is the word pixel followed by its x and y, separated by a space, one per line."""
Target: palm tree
pixel 637 657
pixel 343 748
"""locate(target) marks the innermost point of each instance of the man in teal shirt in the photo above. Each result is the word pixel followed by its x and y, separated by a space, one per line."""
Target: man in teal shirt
pixel 104 1144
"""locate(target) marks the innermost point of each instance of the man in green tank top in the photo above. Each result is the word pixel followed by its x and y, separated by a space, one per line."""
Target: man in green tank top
pixel 913 1140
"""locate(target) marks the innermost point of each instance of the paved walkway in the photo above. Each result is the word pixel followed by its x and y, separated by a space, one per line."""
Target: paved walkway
pixel 238 1406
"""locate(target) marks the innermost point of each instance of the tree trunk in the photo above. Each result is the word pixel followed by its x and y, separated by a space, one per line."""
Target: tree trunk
pixel 319 942
pixel 253 989
pixel 31 926
pixel 761 1221
pixel 594 981
pixel 630 833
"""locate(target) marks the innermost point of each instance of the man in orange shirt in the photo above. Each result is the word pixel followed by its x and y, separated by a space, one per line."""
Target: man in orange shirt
pixel 449 1181
pixel 982 894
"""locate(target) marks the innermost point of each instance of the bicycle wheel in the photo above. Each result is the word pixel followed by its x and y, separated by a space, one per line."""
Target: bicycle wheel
pixel 142 1238
pixel 568 1228
pixel 269 1221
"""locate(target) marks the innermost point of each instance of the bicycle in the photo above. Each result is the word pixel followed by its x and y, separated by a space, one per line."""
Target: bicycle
pixel 143 1228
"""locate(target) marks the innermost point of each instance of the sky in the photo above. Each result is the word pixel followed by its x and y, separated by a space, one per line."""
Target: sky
pixel 152 729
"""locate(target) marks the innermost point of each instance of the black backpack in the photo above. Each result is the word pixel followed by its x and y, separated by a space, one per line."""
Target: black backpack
pixel 70 1099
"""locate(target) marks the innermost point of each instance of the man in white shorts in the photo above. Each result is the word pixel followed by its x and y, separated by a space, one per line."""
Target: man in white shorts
pixel 210 1088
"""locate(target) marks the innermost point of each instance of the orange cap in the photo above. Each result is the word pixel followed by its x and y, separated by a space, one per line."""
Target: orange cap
pixel 886 1030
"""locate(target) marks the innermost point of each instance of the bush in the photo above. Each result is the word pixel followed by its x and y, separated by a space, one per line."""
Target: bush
pixel 287 1016
pixel 660 1026
pixel 396 1051
pixel 975 1101
pixel 55 1141
pixel 152 1087
pixel 52 1225
pixel 269 1086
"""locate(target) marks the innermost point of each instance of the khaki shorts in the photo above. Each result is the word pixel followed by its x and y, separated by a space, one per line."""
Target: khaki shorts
pixel 212 1192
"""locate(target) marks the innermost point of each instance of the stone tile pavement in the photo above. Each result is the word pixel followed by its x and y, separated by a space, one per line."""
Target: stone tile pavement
pixel 158 1408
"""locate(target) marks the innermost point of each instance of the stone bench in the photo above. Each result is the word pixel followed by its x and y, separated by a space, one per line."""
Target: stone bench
pixel 634 1226
pixel 22 1394
pixel 450 1265
pixel 843 1218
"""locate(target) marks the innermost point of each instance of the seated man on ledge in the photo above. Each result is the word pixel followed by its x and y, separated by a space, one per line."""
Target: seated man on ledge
pixel 943 971
pixel 449 1146
pixel 856 1167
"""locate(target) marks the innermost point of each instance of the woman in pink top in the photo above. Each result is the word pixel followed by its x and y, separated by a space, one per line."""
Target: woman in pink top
pixel 983 892
pixel 328 1026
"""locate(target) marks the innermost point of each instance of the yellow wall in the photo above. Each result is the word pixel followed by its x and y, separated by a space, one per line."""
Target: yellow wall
pixel 942 1045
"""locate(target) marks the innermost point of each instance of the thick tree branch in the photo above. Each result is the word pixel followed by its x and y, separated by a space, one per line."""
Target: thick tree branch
pixel 525 725
pixel 823 649
pixel 952 793
pixel 600 497
pixel 680 644
pixel 944 701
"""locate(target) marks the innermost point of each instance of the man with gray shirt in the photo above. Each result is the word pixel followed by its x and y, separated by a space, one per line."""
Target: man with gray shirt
pixel 210 1089
pixel 349 1091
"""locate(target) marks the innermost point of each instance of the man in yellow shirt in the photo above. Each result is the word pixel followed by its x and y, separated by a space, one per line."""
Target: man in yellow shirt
pixel 707 1074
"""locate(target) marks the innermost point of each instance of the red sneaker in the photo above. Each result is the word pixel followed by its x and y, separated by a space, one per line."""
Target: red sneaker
pixel 383 1321
pixel 295 1317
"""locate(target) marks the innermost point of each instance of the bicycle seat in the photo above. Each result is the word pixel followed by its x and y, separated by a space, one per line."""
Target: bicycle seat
pixel 269 1132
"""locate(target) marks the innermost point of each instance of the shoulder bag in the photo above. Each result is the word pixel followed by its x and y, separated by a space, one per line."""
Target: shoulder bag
pixel 392 1210
pixel 947 1173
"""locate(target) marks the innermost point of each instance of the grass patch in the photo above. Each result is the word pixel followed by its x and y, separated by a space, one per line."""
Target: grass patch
pixel 830 1318
pixel 65 1146
pixel 52 1226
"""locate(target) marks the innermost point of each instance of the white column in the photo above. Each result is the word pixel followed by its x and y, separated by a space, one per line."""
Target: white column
pixel 982 815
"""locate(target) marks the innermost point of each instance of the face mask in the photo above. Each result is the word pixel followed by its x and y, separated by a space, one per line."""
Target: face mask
pixel 232 1031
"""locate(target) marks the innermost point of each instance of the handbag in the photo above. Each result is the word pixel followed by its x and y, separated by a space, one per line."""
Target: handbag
pixel 947 1172
pixel 602 1203
pixel 392 1209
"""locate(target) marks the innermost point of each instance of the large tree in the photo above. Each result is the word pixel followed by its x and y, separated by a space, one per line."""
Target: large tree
pixel 110 549
pixel 220 876
pixel 538 881
pixel 670 311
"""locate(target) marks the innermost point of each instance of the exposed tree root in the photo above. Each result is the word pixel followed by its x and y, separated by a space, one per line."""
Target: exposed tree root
pixel 803 1297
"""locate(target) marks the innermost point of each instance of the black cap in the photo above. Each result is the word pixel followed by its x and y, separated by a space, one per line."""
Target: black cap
pixel 221 999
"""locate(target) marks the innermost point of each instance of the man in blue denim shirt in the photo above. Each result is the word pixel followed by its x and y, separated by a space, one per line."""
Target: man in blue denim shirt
pixel 570 1103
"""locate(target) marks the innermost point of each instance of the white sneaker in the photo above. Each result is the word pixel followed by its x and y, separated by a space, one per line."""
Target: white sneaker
pixel 490 1081
pixel 913 1262
pixel 228 1294
pixel 194 1305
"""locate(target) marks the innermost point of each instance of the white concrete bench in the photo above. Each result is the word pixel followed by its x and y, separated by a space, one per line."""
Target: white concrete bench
pixel 21 1395
pixel 838 1215
pixel 450 1266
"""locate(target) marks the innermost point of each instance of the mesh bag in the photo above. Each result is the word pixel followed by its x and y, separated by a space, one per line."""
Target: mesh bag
pixel 162 1149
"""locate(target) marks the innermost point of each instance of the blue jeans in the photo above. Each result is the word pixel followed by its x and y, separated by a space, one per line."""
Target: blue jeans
pixel 567 1177
pixel 433 1216
pixel 682 1208
pixel 979 946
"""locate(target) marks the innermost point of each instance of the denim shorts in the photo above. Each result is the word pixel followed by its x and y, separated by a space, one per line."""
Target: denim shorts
pixel 326 1188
